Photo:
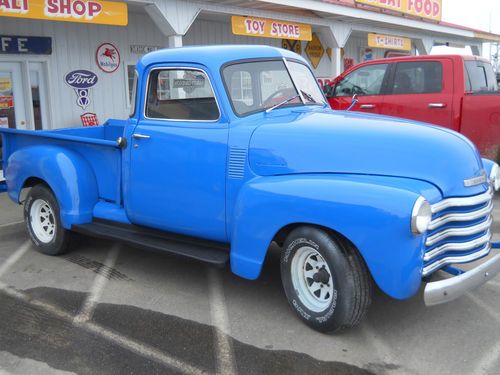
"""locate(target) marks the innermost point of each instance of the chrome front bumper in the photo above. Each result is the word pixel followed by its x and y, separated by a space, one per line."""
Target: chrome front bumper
pixel 446 290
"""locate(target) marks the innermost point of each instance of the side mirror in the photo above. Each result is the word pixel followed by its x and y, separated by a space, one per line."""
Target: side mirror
pixel 354 101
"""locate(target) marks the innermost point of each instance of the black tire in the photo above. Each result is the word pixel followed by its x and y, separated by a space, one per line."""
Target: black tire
pixel 351 281
pixel 53 244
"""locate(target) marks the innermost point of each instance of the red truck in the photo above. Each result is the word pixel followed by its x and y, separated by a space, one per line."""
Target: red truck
pixel 457 92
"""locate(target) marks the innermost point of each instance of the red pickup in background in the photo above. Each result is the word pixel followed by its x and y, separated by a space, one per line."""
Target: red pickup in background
pixel 457 92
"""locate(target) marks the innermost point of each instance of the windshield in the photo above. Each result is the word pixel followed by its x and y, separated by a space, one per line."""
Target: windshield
pixel 261 85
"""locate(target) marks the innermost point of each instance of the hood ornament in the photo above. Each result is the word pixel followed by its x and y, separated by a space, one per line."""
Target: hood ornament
pixel 476 180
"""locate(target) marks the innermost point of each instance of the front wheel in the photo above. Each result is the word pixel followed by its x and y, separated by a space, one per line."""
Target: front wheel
pixel 325 280
pixel 43 223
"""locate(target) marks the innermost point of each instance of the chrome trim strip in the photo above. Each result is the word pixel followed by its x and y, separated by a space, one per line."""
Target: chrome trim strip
pixel 458 246
pixel 461 231
pixel 461 216
pixel 179 120
pixel 462 202
pixel 455 259
pixel 442 291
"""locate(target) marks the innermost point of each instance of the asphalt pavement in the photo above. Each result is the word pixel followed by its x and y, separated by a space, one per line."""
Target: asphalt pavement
pixel 106 308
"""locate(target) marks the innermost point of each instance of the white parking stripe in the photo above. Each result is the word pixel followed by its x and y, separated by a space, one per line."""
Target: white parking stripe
pixel 225 362
pixel 11 224
pixel 486 364
pixel 95 293
pixel 13 258
pixel 107 334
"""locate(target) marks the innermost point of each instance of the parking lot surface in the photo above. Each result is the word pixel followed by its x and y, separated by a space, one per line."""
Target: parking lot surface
pixel 109 308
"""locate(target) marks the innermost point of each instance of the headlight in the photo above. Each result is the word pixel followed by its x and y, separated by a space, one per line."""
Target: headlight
pixel 495 177
pixel 421 216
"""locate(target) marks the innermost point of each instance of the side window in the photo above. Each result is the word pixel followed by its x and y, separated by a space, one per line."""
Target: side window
pixel 180 94
pixel 418 77
pixel 364 81
pixel 479 77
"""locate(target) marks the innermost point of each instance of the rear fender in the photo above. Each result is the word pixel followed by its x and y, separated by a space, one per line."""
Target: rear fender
pixel 65 171
pixel 374 213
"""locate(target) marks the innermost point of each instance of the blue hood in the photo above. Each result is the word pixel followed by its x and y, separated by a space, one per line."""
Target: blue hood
pixel 300 141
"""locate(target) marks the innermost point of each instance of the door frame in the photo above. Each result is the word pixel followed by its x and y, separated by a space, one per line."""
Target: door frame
pixel 24 61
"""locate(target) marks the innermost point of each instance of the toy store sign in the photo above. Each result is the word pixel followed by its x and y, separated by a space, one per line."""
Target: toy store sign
pixel 83 11
pixel 268 28
pixel 431 9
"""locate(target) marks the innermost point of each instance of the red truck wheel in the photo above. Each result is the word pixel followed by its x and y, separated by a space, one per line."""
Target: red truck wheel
pixel 43 223
pixel 325 280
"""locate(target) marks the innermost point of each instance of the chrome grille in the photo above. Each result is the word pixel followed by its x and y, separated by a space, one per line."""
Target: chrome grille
pixel 459 231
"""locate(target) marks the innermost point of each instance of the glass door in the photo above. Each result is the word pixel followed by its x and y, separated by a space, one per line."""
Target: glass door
pixel 12 106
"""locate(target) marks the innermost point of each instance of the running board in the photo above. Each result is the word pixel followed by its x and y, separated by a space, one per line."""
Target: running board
pixel 211 252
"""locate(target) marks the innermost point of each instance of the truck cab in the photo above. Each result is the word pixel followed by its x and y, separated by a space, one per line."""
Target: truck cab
pixel 229 149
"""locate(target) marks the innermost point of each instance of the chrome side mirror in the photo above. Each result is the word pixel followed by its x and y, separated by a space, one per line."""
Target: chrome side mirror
pixel 354 101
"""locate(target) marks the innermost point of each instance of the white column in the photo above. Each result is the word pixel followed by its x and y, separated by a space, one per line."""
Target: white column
pixel 174 41
pixel 338 64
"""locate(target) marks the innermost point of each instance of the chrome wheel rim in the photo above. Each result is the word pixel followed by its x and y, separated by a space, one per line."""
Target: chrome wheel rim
pixel 42 221
pixel 312 279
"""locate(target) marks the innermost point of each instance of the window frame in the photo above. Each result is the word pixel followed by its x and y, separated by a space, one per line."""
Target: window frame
pixel 179 120
pixel 390 83
pixel 383 87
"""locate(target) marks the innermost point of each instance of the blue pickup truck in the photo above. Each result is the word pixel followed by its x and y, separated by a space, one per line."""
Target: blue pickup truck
pixel 229 149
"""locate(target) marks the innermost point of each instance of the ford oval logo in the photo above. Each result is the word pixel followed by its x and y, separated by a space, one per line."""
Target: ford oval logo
pixel 81 79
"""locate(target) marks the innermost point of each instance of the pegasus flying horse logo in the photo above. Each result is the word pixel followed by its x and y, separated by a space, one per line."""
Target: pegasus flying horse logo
pixel 109 53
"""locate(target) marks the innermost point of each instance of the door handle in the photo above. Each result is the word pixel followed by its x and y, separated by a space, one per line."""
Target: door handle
pixel 367 106
pixel 437 105
pixel 140 136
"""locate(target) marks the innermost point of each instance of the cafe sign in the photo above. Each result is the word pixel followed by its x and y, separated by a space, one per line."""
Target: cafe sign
pixel 91 11
pixel 389 42
pixel 268 28
pixel 430 9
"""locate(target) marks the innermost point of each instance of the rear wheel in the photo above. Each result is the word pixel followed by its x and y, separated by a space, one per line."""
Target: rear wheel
pixel 43 223
pixel 325 280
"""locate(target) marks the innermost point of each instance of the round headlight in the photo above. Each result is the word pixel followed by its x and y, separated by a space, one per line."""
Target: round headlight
pixel 495 177
pixel 421 216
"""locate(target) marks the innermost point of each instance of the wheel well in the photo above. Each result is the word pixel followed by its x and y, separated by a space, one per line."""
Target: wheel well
pixel 29 183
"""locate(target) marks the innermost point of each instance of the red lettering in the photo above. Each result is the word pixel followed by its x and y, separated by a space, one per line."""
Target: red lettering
pixel 261 27
pixel 428 7
pixel 94 8
pixel 14 5
pixel 436 9
pixel 79 8
pixel 65 6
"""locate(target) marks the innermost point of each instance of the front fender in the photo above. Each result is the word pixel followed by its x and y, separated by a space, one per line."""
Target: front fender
pixel 66 172
pixel 373 212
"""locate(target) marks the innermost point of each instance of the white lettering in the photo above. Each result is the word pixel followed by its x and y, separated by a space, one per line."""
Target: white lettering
pixel 5 43
pixel 21 47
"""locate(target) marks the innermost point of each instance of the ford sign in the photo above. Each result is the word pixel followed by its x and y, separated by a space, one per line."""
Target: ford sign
pixel 81 79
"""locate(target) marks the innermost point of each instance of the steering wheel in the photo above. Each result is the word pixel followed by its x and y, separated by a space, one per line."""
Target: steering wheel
pixel 286 93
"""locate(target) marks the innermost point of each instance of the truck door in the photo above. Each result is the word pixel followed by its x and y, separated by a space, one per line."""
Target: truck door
pixel 368 83
pixel 178 156
pixel 421 90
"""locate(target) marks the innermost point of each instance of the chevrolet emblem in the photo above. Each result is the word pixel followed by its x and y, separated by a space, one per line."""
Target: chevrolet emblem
pixel 476 180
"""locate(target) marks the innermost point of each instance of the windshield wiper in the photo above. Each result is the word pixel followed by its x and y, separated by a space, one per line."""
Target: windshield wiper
pixel 282 103
pixel 308 96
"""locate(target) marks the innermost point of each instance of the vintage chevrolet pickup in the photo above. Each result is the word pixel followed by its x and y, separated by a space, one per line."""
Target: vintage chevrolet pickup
pixel 231 148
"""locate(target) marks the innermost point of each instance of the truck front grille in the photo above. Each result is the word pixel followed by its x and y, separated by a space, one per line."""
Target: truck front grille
pixel 460 231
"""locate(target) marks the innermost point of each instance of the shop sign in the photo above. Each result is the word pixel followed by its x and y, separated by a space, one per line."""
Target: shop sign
pixel 314 50
pixel 329 53
pixel 367 55
pixel 431 9
pixel 6 102
pixel 5 84
pixel 4 122
pixel 142 49
pixel 389 42
pixel 292 45
pixel 268 28
pixel 26 45
pixel 89 119
pixel 81 81
pixel 107 57
pixel 91 11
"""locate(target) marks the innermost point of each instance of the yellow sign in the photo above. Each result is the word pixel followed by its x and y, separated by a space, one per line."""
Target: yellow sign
pixel 389 42
pixel 314 50
pixel 292 45
pixel 267 28
pixel 329 53
pixel 83 11
pixel 431 9
pixel 5 84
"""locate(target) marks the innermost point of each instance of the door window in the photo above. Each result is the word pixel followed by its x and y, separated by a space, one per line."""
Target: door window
pixel 182 95
pixel 363 81
pixel 479 77
pixel 419 77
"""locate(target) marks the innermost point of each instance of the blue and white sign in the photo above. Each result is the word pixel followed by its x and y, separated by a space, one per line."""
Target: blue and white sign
pixel 81 81
pixel 25 45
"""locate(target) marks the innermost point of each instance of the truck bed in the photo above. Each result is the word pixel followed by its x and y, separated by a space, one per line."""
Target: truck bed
pixel 97 145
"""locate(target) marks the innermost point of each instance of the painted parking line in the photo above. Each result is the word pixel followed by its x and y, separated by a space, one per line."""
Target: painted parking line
pixel 14 257
pixel 113 337
pixel 11 224
pixel 97 288
pixel 225 361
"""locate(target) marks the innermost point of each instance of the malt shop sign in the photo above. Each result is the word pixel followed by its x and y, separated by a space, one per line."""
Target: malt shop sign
pixel 268 28
pixel 431 9
pixel 389 42
pixel 89 11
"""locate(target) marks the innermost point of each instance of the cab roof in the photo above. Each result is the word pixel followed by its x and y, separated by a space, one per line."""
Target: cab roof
pixel 215 56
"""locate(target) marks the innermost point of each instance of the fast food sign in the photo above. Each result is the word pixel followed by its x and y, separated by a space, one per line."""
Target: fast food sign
pixel 430 9
pixel 268 28
pixel 88 11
